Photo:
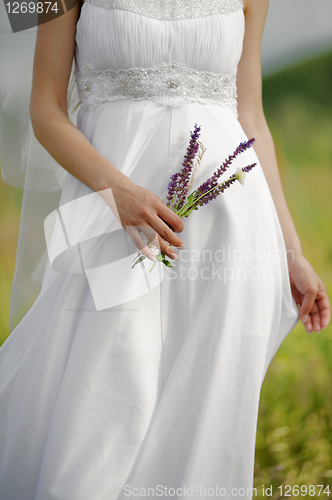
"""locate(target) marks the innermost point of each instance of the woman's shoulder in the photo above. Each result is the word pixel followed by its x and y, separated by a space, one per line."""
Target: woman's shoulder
pixel 254 4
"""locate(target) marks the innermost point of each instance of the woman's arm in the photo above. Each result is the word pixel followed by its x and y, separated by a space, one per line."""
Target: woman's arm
pixel 136 206
pixel 307 288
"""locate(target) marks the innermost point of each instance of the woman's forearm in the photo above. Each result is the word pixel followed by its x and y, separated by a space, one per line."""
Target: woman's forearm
pixel 70 148
pixel 265 150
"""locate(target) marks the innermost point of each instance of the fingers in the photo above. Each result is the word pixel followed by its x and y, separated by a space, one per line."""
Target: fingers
pixel 169 217
pixel 319 315
pixel 308 324
pixel 166 232
pixel 156 240
pixel 151 235
pixel 315 319
pixel 141 245
pixel 310 294
pixel 309 298
pixel 167 249
pixel 324 306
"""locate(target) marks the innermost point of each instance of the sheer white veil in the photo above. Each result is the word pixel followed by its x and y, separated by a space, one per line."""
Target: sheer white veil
pixel 25 163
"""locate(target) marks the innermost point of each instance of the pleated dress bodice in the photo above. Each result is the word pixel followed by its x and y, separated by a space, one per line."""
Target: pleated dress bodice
pixel 203 39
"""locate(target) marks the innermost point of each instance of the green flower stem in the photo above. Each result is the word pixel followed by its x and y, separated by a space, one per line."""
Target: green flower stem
pixel 152 266
pixel 185 208
pixel 161 257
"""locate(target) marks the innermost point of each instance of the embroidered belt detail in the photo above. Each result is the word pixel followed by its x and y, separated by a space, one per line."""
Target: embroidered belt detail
pixel 172 84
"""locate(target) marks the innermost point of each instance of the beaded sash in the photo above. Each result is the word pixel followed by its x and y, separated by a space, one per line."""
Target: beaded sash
pixel 172 9
pixel 170 84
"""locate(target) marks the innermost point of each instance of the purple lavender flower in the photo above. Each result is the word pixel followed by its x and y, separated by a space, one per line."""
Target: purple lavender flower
pixel 199 199
pixel 213 181
pixel 172 187
pixel 212 195
pixel 249 167
pixel 179 182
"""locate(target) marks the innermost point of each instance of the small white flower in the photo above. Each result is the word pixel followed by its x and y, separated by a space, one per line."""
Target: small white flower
pixel 240 175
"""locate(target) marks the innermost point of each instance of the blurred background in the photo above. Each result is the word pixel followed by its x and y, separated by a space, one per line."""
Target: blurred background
pixel 294 434
pixel 295 30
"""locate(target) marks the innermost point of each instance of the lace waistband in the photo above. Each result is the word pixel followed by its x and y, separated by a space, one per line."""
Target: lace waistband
pixel 172 84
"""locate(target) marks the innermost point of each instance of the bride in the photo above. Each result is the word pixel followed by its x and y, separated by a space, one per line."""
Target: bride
pixel 120 382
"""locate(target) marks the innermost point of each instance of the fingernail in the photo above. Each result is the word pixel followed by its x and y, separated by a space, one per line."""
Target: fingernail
pixel 153 258
pixel 318 331
pixel 174 256
pixel 182 246
pixel 304 319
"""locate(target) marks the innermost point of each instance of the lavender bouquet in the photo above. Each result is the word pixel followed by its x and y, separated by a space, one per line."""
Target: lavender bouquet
pixel 178 199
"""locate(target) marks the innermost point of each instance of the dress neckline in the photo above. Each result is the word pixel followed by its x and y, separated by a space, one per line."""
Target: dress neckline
pixel 172 9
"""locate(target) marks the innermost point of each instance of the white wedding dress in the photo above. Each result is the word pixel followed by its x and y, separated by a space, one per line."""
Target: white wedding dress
pixel 119 379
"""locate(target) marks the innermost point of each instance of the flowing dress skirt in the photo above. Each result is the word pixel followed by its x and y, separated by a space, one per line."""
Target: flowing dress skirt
pixel 160 390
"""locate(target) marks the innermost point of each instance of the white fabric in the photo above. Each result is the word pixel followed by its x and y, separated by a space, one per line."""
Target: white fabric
pixel 162 390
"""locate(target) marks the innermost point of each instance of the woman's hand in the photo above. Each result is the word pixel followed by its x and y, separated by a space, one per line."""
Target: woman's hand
pixel 309 292
pixel 138 209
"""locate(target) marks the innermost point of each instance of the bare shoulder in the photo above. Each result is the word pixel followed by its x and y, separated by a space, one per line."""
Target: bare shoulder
pixel 255 12
pixel 259 7
pixel 62 23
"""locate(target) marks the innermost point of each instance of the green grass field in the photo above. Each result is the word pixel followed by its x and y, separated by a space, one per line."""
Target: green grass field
pixel 294 435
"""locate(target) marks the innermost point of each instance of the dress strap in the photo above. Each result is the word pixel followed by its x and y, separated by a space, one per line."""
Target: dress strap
pixel 170 84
